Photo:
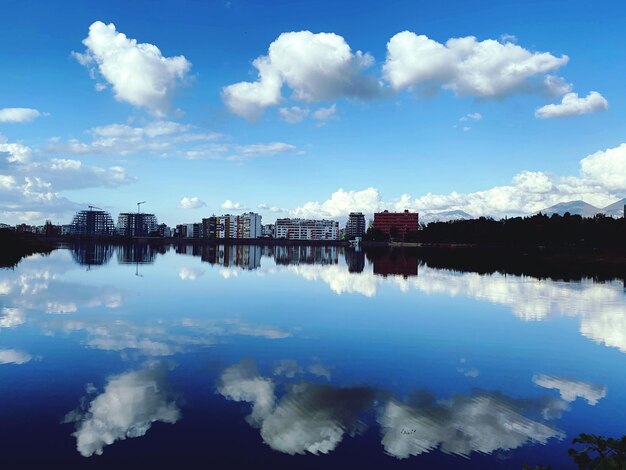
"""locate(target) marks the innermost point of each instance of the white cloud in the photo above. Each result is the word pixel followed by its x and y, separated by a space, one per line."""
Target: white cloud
pixel 467 67
pixel 163 138
pixel 12 356
pixel 274 209
pixel 508 38
pixel 606 168
pixel 314 66
pixel 158 137
pixel 191 203
pixel 572 105
pixel 138 72
pixel 14 152
pixel 18 114
pixel 601 181
pixel 293 114
pixel 341 203
pixel 31 184
pixel 472 117
pixel 571 389
pixel 129 405
pixel 271 148
pixel 324 114
pixel 232 206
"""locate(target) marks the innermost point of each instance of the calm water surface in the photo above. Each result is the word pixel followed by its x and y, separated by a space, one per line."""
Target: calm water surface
pixel 300 357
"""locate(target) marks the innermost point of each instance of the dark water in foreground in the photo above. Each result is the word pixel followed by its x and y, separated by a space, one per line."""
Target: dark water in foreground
pixel 300 357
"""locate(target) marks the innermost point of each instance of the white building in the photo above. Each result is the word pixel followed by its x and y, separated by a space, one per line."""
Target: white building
pixel 305 229
pixel 249 225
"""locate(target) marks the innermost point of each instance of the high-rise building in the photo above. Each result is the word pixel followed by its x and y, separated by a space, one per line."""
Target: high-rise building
pixel 355 227
pixel 304 229
pixel 226 226
pixel 135 224
pixel 396 223
pixel 248 225
pixel 209 225
pixel 93 223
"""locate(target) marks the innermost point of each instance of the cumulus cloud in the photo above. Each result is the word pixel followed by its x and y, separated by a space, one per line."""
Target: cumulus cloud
pixel 572 105
pixel 606 168
pixel 483 422
pixel 466 66
pixel 570 389
pixel 601 181
pixel 324 114
pixel 13 356
pixel 232 206
pixel 18 114
pixel 314 66
pixel 294 114
pixel 341 203
pixel 138 72
pixel 127 408
pixel 191 203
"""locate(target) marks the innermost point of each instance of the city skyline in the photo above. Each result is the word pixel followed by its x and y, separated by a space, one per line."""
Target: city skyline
pixel 205 109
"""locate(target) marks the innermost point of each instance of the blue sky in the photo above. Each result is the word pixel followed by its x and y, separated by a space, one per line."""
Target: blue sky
pixel 176 113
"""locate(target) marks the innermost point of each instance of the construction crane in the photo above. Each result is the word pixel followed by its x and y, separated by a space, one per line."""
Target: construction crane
pixel 139 204
pixel 94 207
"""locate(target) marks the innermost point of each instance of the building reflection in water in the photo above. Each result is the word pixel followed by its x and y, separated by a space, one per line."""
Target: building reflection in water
pixel 355 259
pixel 241 256
pixel 92 254
pixel 285 255
pixel 394 262
pixel 138 253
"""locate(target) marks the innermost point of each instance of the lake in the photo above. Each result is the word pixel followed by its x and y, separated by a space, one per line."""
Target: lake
pixel 301 357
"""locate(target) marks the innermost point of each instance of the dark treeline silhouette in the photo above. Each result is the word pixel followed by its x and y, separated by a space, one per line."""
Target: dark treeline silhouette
pixel 537 230
pixel 14 246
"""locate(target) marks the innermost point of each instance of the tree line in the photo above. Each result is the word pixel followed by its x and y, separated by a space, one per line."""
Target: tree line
pixel 540 229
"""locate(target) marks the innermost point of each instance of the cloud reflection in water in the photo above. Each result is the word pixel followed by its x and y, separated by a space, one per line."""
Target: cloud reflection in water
pixel 314 418
pixel 127 408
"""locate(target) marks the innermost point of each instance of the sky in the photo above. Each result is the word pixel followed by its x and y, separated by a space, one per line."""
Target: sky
pixel 309 109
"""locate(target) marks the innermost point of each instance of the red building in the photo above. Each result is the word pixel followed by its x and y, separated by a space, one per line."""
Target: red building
pixel 404 222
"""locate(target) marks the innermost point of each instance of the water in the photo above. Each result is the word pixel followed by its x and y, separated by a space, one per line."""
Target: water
pixel 302 356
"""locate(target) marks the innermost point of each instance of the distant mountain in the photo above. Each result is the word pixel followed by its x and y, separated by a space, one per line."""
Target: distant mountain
pixel 573 207
pixel 616 209
pixel 444 216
